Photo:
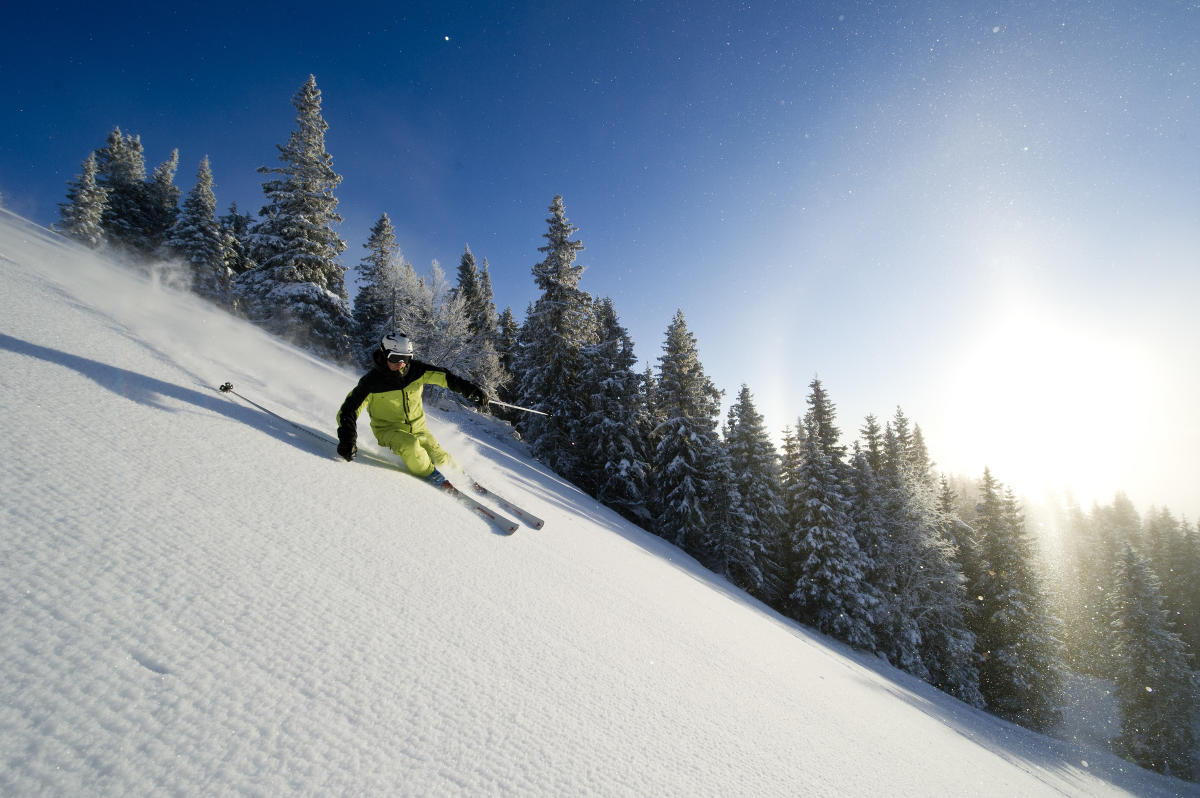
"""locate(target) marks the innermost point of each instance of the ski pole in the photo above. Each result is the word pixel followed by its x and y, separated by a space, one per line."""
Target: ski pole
pixel 228 388
pixel 516 407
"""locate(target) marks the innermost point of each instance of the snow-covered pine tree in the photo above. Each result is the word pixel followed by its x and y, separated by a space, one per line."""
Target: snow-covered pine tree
pixel 649 416
pixel 611 432
pixel 870 532
pixel 947 644
pixel 235 240
pixel 475 287
pixel 121 173
pixel 830 588
pixel 896 572
pixel 1084 609
pixel 1160 530
pixel 729 546
pixel 1096 539
pixel 954 661
pixel 950 504
pixel 1021 673
pixel 196 238
pixel 162 207
pixel 550 365
pixel 871 435
pixel 375 302
pixel 1186 575
pixel 1172 555
pixel 921 623
pixel 1156 686
pixel 468 279
pixel 1113 526
pixel 83 212
pixel 474 291
pixel 648 421
pixel 918 455
pixel 756 475
pixel 139 213
pixel 686 440
pixel 489 320
pixel 868 513
pixel 298 288
pixel 508 334
pixel 790 461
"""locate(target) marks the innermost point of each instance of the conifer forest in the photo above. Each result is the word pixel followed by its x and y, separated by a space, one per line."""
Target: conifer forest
pixel 851 531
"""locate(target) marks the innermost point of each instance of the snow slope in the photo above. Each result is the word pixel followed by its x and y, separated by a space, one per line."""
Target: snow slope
pixel 198 599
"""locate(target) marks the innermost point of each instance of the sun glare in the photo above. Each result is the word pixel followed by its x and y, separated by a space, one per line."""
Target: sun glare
pixel 1047 406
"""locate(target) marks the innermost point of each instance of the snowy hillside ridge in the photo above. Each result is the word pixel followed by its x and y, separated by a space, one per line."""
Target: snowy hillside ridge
pixel 197 598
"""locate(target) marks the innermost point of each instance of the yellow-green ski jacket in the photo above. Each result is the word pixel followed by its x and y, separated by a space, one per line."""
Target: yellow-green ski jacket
pixel 393 399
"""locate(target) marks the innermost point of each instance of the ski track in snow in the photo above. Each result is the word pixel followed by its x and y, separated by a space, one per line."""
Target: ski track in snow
pixel 199 599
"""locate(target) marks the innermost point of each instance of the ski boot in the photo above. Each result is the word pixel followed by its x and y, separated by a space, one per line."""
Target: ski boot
pixel 439 481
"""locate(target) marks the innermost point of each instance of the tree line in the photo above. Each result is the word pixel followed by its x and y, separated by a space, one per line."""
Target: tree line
pixel 864 542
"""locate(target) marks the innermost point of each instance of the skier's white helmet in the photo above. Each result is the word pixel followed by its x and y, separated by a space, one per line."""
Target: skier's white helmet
pixel 397 346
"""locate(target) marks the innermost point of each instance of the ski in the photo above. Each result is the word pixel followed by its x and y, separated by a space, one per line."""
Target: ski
pixel 524 515
pixel 505 526
pixel 502 525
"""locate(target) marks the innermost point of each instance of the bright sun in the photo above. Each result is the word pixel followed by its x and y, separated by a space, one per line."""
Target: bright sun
pixel 1046 405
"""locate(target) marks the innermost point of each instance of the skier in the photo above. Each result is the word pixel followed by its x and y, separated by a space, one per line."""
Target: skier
pixel 391 392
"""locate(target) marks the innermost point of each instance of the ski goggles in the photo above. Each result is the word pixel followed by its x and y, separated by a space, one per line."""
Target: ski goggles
pixel 398 357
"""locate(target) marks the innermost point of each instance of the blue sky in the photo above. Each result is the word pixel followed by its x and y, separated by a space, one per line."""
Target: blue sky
pixel 989 217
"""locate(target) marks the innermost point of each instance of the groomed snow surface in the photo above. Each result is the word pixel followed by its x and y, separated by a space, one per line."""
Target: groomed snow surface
pixel 197 598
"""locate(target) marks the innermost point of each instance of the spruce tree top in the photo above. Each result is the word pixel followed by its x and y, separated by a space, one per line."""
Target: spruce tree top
pixel 559 269
pixel 295 237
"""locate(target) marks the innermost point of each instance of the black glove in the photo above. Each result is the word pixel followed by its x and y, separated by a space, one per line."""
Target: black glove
pixel 479 397
pixel 347 449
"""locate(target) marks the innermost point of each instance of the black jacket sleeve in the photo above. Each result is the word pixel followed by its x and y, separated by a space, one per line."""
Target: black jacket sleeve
pixel 347 416
pixel 459 385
